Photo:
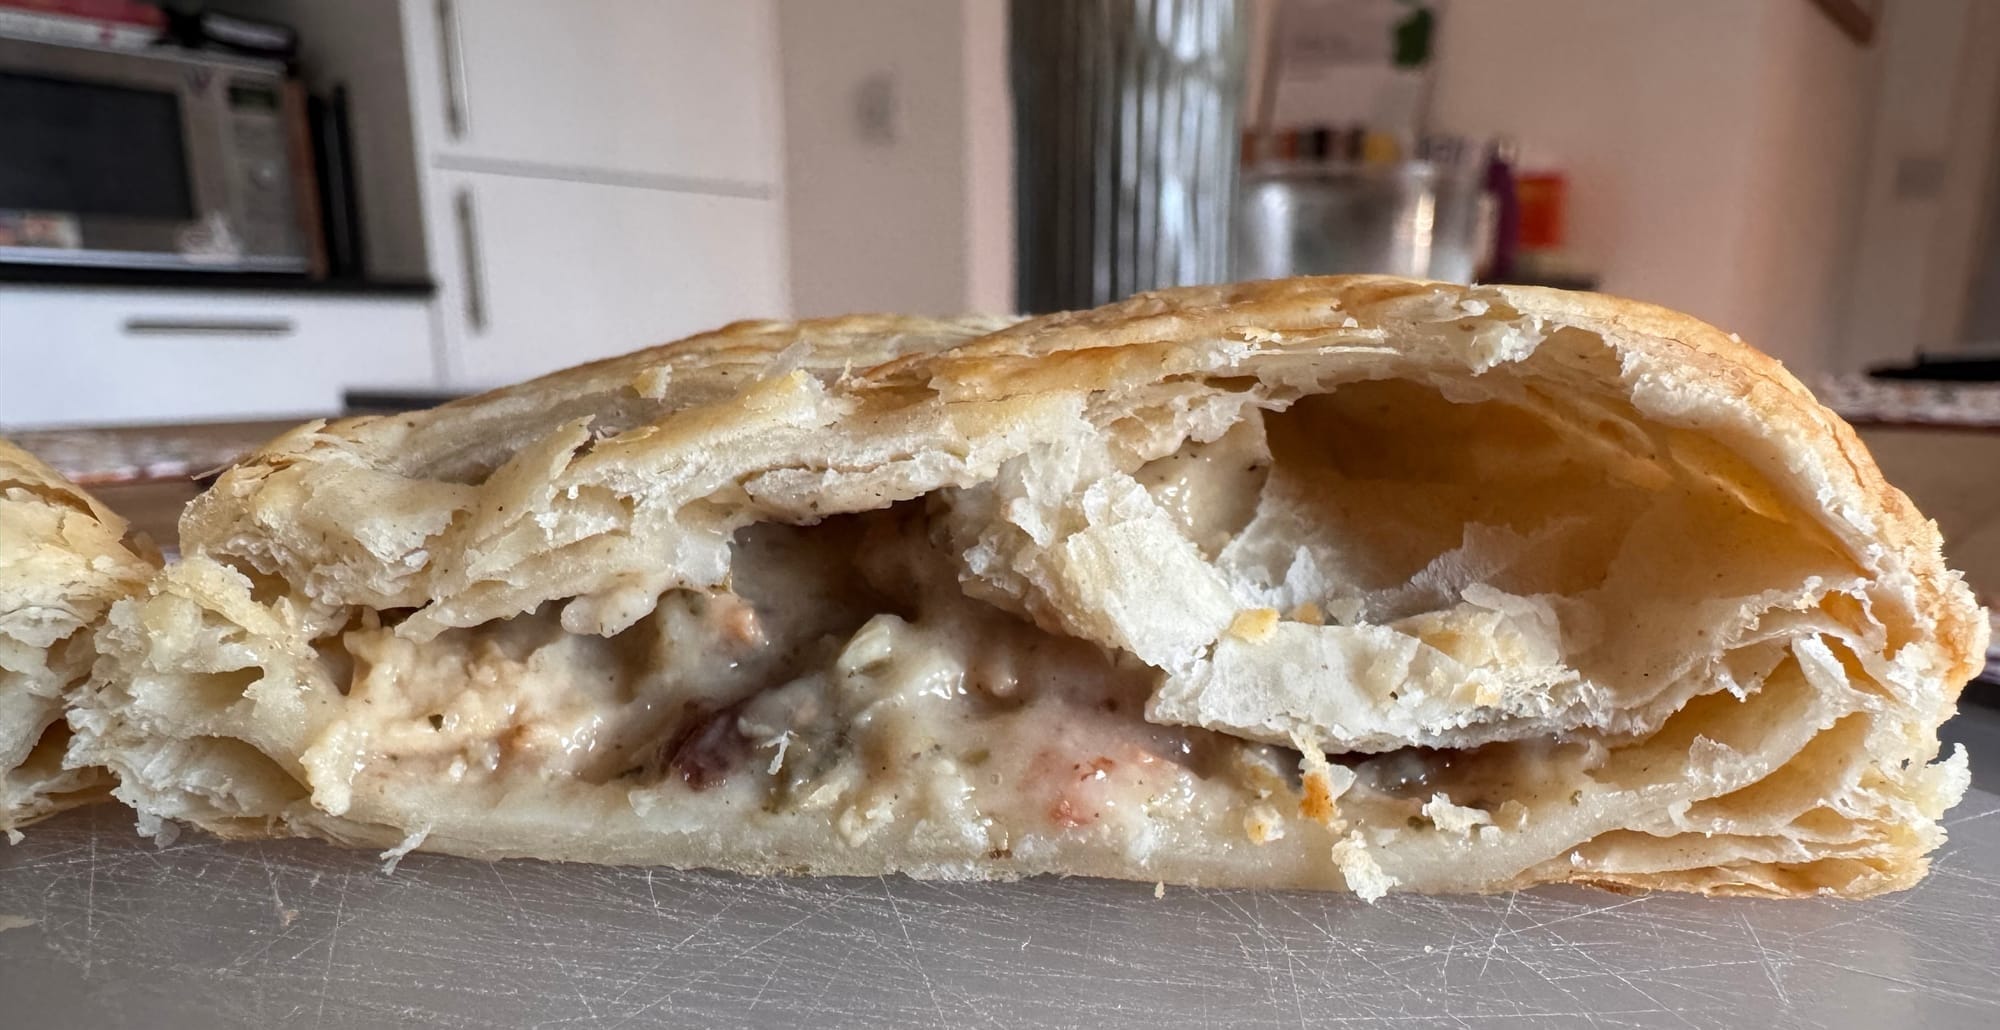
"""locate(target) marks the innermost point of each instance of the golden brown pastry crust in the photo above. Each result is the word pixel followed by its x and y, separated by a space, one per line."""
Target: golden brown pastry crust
pixel 63 561
pixel 604 488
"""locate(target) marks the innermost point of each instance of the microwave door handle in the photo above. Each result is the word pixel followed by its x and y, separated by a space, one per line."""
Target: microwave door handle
pixel 468 249
pixel 457 101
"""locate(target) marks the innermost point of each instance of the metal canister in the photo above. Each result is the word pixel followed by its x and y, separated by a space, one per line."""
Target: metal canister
pixel 1415 218
pixel 1126 128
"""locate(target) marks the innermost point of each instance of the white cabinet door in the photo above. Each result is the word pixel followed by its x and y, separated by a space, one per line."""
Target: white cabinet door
pixel 81 357
pixel 666 89
pixel 541 274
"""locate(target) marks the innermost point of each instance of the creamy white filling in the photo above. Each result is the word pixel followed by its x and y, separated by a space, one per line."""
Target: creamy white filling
pixel 933 708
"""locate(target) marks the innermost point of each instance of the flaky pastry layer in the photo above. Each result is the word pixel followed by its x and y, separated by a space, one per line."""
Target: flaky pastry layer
pixel 63 560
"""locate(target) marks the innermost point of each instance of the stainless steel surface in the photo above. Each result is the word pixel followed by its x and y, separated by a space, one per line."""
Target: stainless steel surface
pixel 1412 218
pixel 1126 115
pixel 101 929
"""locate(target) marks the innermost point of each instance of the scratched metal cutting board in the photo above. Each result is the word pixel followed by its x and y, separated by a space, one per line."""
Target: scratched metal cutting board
pixel 102 929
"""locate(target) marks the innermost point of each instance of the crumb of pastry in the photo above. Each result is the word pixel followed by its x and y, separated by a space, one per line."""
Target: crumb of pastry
pixel 1254 624
pixel 1320 782
pixel 1453 818
pixel 1364 875
pixel 651 383
pixel 1262 824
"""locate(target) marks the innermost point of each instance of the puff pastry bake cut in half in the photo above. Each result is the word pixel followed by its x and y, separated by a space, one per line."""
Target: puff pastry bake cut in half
pixel 63 560
pixel 1357 583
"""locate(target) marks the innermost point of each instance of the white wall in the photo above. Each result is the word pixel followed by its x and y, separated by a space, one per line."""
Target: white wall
pixel 1810 130
pixel 919 221
pixel 989 171
pixel 1916 252
pixel 1707 143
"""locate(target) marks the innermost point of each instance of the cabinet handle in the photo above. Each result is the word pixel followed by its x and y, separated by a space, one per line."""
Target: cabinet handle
pixel 468 250
pixel 456 99
pixel 209 326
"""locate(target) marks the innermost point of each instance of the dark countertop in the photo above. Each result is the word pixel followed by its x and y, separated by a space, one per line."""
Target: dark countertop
pixel 1868 401
pixel 169 279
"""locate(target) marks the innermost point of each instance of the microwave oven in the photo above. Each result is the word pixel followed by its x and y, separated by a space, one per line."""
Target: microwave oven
pixel 153 158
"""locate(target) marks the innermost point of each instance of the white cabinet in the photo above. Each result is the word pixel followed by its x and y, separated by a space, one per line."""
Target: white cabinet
pixel 675 89
pixel 97 356
pixel 547 273
pixel 598 176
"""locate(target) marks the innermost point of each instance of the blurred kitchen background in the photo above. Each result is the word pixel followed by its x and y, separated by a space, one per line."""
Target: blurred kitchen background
pixel 218 218
pixel 249 209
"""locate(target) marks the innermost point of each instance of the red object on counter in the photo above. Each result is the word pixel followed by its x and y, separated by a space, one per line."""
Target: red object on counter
pixel 1543 197
pixel 130 12
pixel 118 24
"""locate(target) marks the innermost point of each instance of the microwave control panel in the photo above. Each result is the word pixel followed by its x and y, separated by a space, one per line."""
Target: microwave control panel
pixel 260 172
